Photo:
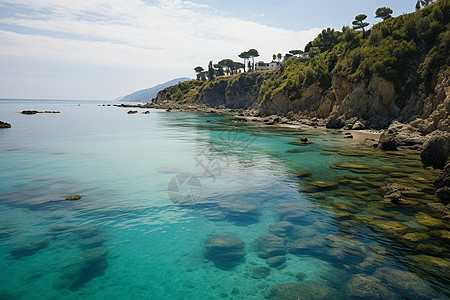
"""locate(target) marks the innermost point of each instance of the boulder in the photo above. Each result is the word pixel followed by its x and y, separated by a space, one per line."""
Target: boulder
pixel 334 122
pixel 401 135
pixel 358 126
pixel 409 285
pixel 4 125
pixel 442 184
pixel 131 112
pixel 310 290
pixel 73 197
pixel 270 245
pixel 436 151
pixel 368 287
pixel 225 251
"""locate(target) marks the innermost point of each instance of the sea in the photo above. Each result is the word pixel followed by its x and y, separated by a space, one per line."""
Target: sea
pixel 179 205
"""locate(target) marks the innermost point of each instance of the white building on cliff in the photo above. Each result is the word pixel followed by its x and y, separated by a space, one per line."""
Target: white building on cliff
pixel 262 66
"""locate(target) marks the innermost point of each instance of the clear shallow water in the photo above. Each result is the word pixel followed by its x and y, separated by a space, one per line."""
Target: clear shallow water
pixel 128 238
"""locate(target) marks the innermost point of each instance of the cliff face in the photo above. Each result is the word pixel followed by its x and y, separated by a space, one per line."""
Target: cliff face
pixel 399 71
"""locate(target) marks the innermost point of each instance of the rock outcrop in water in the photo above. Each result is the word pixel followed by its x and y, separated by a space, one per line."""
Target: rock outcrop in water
pixel 33 112
pixel 225 251
pixel 4 125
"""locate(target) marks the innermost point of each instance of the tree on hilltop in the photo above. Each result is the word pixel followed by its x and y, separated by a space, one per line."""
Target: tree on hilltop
pixel 244 55
pixel 252 53
pixel 384 13
pixel 279 57
pixel 274 57
pixel 210 71
pixel 359 23
pixel 199 71
pixel 296 52
pixel 422 3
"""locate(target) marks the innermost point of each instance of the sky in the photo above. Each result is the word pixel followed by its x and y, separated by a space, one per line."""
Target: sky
pixel 104 49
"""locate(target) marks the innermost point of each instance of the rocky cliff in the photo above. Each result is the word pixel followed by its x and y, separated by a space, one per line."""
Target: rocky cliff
pixel 398 72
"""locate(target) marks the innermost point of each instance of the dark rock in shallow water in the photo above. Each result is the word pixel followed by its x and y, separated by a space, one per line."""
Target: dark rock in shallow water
pixel 368 287
pixel 225 251
pixel 436 151
pixel 387 142
pixel 292 212
pixel 241 213
pixel 92 242
pixel 269 245
pixel 92 263
pixel 73 197
pixel 132 112
pixel 282 228
pixel 30 248
pixel 394 193
pixel 29 112
pixel 407 284
pixel 442 184
pixel 4 125
pixel 310 290
pixel 260 272
pixel 277 262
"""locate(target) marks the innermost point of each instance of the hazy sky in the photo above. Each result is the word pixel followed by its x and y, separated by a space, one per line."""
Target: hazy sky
pixel 103 49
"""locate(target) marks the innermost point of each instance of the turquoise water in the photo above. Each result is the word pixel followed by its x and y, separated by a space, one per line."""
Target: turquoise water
pixel 129 238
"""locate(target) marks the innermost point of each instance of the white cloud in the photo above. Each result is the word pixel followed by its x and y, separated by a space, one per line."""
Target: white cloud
pixel 137 35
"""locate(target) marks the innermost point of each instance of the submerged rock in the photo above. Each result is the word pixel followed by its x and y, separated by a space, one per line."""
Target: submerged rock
pixel 4 125
pixel 31 248
pixel 277 262
pixel 292 212
pixel 241 213
pixel 407 284
pixel 260 272
pixel 225 251
pixel 282 228
pixel 310 290
pixel 270 245
pixel 368 287
pixel 91 263
pixel 396 193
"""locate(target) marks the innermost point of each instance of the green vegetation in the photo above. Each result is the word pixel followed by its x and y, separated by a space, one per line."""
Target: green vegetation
pixel 383 13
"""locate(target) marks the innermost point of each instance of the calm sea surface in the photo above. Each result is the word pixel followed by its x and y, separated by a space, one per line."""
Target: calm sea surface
pixel 187 206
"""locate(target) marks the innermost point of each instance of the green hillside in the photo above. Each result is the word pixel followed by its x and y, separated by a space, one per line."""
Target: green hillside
pixel 397 70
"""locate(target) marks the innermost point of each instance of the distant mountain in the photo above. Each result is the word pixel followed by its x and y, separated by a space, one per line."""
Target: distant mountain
pixel 147 95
